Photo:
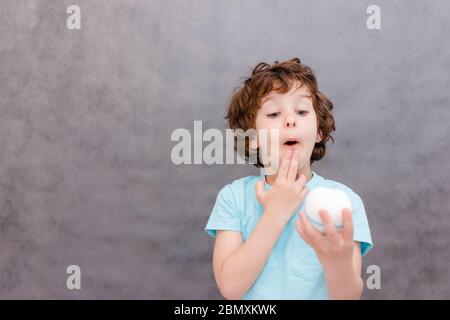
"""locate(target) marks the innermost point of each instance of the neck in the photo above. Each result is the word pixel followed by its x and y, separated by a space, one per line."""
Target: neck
pixel 306 171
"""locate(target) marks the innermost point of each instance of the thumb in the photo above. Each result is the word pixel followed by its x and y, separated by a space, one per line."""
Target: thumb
pixel 260 188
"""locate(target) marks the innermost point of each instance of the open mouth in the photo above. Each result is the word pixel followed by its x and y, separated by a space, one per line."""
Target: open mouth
pixel 291 143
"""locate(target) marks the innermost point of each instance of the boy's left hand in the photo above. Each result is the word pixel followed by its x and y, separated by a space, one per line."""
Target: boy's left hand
pixel 334 249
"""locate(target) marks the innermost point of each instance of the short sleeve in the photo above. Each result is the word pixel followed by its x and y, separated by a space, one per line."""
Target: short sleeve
pixel 225 214
pixel 361 230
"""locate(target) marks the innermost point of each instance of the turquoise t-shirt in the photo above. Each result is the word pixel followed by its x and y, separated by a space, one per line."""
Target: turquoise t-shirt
pixel 292 270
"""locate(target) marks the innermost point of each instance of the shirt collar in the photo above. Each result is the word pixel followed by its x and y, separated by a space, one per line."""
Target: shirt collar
pixel 310 184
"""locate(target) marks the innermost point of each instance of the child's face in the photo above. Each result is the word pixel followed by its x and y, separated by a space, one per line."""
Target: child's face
pixel 293 114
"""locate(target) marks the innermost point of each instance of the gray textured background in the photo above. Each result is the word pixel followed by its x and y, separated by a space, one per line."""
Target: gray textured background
pixel 86 118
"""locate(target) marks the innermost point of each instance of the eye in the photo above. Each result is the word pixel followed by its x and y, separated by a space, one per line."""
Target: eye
pixel 273 115
pixel 302 112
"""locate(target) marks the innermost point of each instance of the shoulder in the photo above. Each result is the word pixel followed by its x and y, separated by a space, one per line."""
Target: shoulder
pixel 235 194
pixel 237 191
pixel 239 186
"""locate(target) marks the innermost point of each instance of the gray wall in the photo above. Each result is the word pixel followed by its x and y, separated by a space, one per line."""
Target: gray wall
pixel 86 117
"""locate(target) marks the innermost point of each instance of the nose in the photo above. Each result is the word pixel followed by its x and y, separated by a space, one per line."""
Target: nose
pixel 290 121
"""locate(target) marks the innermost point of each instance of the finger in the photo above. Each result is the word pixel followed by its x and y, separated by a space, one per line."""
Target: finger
pixel 293 166
pixel 347 232
pixel 300 227
pixel 282 172
pixel 259 188
pixel 301 231
pixel 303 193
pixel 300 182
pixel 330 229
pixel 315 237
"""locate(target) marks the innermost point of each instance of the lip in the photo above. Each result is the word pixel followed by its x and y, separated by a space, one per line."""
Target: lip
pixel 292 147
pixel 290 139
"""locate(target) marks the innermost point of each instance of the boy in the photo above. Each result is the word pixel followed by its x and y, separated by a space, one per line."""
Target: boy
pixel 265 248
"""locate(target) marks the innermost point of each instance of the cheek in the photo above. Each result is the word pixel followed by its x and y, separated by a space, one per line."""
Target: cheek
pixel 268 141
pixel 310 132
pixel 311 137
pixel 268 134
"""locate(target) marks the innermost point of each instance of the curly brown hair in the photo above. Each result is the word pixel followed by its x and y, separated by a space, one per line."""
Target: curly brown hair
pixel 280 76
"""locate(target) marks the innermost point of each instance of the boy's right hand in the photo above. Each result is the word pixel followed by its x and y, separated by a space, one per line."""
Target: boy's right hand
pixel 286 193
